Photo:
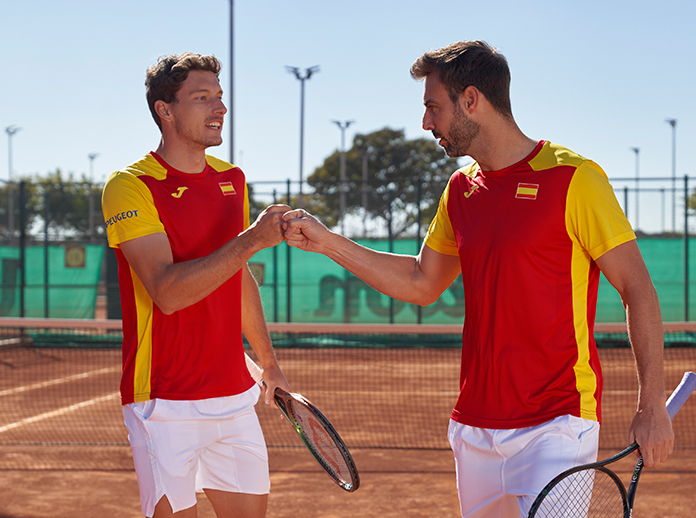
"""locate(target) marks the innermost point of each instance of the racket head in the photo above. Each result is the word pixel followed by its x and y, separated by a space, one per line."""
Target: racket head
pixel 320 438
pixel 583 492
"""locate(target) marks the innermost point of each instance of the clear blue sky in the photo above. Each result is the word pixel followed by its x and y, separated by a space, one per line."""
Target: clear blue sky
pixel 597 76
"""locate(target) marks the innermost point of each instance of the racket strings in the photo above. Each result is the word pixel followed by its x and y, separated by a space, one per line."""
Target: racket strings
pixel 584 494
pixel 322 443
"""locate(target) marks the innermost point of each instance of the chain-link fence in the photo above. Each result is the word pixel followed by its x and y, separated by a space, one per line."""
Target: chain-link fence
pixel 54 260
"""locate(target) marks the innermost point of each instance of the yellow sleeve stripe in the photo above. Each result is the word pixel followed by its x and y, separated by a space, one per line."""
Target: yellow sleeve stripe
pixel 246 206
pixel 440 236
pixel 143 356
pixel 585 377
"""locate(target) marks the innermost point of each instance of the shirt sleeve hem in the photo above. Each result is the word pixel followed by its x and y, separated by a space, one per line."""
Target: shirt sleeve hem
pixel 600 250
pixel 441 246
pixel 117 240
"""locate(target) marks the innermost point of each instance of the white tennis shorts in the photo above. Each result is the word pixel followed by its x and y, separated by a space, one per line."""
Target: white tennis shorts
pixel 501 472
pixel 181 447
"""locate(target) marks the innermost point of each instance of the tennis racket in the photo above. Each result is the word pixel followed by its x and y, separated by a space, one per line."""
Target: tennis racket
pixel 316 432
pixel 594 490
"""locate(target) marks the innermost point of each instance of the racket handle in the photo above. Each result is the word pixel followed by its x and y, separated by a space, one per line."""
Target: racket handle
pixel 255 371
pixel 681 393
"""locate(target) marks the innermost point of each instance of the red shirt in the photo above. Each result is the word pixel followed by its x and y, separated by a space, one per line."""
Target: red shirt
pixel 527 237
pixel 196 352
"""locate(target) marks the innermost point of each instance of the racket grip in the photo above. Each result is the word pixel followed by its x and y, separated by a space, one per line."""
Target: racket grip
pixel 255 371
pixel 681 393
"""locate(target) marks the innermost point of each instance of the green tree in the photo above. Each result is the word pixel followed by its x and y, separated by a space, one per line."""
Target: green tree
pixel 692 201
pixel 68 205
pixel 396 167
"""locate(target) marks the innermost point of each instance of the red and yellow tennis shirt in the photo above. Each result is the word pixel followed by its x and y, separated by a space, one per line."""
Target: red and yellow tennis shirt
pixel 197 352
pixel 527 237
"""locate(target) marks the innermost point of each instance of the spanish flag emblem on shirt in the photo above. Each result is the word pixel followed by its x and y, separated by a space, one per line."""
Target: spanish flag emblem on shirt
pixel 527 191
pixel 227 188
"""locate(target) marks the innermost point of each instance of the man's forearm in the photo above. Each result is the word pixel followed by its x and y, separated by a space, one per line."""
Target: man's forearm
pixel 391 274
pixel 253 321
pixel 417 279
pixel 645 332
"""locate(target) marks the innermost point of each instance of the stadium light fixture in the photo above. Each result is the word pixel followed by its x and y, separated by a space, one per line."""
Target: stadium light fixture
pixel 342 175
pixel 302 78
pixel 10 130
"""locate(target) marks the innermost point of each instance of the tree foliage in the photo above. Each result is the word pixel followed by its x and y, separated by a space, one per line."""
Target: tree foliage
pixel 692 201
pixel 68 206
pixel 396 168
pixel 67 201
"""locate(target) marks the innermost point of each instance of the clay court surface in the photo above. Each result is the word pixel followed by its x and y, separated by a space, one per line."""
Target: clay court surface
pixel 395 484
pixel 69 397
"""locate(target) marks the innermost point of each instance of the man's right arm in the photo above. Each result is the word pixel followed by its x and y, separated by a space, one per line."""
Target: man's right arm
pixel 417 279
pixel 174 286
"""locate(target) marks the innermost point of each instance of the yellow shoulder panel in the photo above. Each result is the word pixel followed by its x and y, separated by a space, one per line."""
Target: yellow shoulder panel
pixel 148 165
pixel 553 155
pixel 469 170
pixel 127 204
pixel 594 218
pixel 440 236
pixel 217 164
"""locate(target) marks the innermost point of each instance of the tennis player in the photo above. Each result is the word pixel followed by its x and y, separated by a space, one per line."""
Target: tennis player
pixel 179 223
pixel 529 225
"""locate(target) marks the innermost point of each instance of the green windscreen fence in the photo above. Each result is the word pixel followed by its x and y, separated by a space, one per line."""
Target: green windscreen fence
pixel 322 291
pixel 665 259
pixel 59 281
pixel 317 289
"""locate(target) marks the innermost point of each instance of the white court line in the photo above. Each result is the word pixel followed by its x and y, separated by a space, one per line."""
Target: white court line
pixel 55 413
pixel 57 381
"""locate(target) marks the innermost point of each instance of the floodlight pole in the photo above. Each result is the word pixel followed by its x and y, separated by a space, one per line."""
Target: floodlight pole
pixel 342 175
pixel 308 73
pixel 230 102
pixel 10 130
pixel 636 150
pixel 673 123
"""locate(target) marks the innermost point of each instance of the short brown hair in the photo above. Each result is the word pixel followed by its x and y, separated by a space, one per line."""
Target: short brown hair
pixel 164 79
pixel 469 63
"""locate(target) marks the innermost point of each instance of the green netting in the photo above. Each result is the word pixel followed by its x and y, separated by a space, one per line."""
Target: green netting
pixel 73 277
pixel 322 291
pixel 664 258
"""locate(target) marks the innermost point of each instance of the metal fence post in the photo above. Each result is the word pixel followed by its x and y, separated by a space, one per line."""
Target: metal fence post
pixel 46 221
pixel 626 200
pixel 22 243
pixel 275 273
pixel 287 274
pixel 686 248
pixel 391 248
pixel 419 194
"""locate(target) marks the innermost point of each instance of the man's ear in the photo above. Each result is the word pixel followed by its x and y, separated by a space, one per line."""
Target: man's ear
pixel 469 99
pixel 163 110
